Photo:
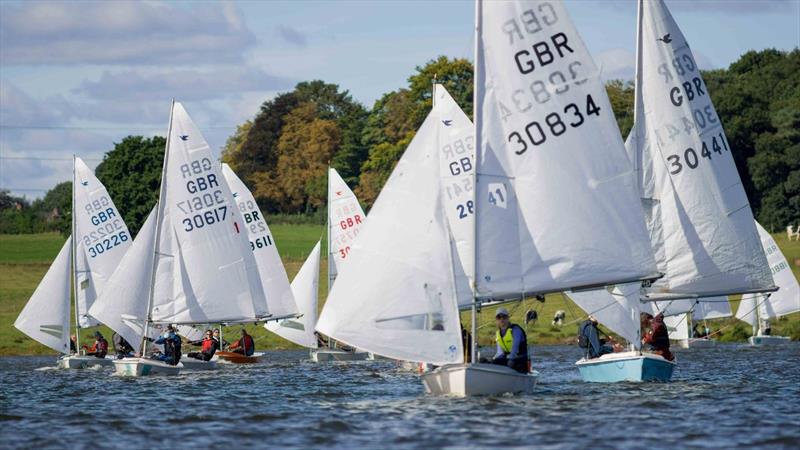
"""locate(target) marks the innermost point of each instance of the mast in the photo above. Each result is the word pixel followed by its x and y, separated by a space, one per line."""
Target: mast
pixel 637 96
pixel 74 261
pixel 159 213
pixel 328 241
pixel 477 120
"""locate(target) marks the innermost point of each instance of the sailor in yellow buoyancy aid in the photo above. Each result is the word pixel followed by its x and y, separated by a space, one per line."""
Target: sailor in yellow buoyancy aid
pixel 512 343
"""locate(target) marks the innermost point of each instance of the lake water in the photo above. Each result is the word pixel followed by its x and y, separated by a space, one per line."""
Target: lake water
pixel 727 397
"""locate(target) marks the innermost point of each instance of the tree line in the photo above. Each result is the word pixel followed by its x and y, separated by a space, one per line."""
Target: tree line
pixel 283 153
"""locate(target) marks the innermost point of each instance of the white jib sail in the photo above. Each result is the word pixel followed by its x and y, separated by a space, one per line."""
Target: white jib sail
pixel 280 300
pixel 102 238
pixel 617 309
pixel 556 205
pixel 787 299
pixel 712 308
pixel 305 287
pixel 698 215
pixel 345 218
pixel 205 270
pixel 45 317
pixel 396 296
pixel 455 139
pixel 122 305
pixel 677 327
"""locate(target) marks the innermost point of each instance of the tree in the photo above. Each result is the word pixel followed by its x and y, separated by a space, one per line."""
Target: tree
pixel 622 96
pixel 53 212
pixel 454 74
pixel 232 151
pixel 131 173
pixel 306 144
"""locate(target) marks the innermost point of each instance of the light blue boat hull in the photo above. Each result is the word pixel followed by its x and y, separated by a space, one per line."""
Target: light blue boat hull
pixel 630 366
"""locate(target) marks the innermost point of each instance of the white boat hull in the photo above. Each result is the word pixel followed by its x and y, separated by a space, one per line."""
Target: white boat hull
pixel 626 366
pixel 764 341
pixel 82 362
pixel 198 364
pixel 466 380
pixel 140 367
pixel 329 355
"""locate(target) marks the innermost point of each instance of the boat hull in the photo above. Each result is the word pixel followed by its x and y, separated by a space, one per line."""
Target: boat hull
pixel 329 355
pixel 768 341
pixel 198 364
pixel 467 380
pixel 142 367
pixel 83 362
pixel 238 358
pixel 627 366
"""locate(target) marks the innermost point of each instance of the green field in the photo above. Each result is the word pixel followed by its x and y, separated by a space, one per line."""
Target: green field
pixel 24 259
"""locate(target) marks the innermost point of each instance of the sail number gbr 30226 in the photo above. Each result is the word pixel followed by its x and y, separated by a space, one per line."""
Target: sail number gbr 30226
pixel 554 125
pixel 207 204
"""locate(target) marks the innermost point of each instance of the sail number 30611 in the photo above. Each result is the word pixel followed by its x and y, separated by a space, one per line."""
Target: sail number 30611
pixel 554 123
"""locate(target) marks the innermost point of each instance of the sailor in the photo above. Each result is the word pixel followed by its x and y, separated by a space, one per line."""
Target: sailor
pixel 172 346
pixel 73 345
pixel 512 343
pixel 209 346
pixel 100 347
pixel 245 346
pixel 697 332
pixel 657 339
pixel 221 343
pixel 321 341
pixel 589 339
pixel 122 348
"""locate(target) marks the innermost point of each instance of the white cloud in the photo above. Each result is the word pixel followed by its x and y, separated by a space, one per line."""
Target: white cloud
pixel 122 33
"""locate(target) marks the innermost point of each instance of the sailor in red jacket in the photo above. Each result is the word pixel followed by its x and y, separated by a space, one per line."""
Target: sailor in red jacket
pixel 100 347
pixel 658 338
pixel 209 346
pixel 246 345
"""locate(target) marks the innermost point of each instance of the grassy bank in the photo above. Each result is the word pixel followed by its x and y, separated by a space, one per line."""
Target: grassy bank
pixel 24 259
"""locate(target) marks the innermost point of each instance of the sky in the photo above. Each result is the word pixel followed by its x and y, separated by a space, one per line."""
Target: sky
pixel 76 77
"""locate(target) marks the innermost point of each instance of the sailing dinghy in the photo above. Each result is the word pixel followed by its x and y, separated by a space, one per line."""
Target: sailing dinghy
pixel 194 264
pixel 758 309
pixel 699 219
pixel 98 242
pixel 345 221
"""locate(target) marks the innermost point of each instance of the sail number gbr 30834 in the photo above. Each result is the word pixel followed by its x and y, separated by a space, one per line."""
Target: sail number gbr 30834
pixel 207 204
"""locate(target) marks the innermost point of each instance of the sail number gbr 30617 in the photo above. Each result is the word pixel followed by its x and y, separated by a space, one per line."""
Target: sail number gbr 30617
pixel 554 125
pixel 207 204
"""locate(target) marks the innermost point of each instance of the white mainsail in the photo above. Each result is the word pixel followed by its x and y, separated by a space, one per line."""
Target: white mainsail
pixel 700 222
pixel 678 327
pixel 345 219
pixel 45 317
pixel 396 295
pixel 556 204
pixel 280 300
pixel 102 238
pixel 123 304
pixel 305 287
pixel 455 140
pixel 786 300
pixel 205 271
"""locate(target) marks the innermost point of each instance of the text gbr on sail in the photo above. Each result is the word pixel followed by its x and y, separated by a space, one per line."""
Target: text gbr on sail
pixel 542 52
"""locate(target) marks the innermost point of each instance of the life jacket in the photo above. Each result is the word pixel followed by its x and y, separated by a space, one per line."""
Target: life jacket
pixel 506 341
pixel 209 346
pixel 172 348
pixel 248 345
pixel 583 340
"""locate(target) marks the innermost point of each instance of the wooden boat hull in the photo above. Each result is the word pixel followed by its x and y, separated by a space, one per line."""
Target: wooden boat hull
pixel 83 362
pixel 198 364
pixel 142 367
pixel 238 358
pixel 768 341
pixel 466 380
pixel 626 366
pixel 331 355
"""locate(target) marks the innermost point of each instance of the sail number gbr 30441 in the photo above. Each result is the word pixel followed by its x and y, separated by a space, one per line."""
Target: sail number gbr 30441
pixel 691 158
pixel 554 124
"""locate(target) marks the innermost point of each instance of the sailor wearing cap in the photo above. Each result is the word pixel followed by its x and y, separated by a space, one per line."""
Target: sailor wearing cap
pixel 512 343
